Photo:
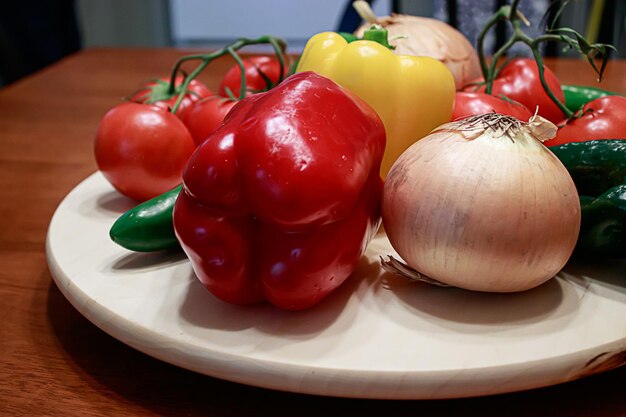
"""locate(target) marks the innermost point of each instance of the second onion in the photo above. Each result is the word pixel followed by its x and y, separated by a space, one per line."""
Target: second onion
pixel 481 204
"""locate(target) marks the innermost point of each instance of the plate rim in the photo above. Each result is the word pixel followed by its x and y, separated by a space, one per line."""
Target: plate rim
pixel 318 380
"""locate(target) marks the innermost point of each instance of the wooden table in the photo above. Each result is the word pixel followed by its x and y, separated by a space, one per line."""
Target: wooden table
pixel 55 362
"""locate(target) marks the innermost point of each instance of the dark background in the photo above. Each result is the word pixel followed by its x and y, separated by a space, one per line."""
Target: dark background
pixel 36 33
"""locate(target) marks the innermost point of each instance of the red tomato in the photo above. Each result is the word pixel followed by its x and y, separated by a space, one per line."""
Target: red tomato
pixel 157 93
pixel 142 149
pixel 207 115
pixel 519 81
pixel 255 68
pixel 469 104
pixel 602 118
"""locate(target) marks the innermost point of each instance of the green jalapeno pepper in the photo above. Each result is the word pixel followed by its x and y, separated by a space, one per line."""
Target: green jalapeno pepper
pixel 595 165
pixel 577 96
pixel 598 168
pixel 148 227
pixel 603 226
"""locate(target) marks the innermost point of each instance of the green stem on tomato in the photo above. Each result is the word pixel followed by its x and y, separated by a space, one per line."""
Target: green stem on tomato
pixel 513 10
pixel 494 63
pixel 186 82
pixel 487 74
pixel 242 68
pixel 279 50
pixel 172 87
pixel 513 16
pixel 278 44
pixel 538 58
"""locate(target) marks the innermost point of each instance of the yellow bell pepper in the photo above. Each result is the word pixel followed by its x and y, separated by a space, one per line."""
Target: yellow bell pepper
pixel 412 95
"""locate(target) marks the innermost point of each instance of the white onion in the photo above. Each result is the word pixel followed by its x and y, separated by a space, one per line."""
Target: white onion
pixel 481 204
pixel 423 36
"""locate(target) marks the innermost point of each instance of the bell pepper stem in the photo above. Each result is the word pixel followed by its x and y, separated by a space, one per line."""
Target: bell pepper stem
pixel 378 34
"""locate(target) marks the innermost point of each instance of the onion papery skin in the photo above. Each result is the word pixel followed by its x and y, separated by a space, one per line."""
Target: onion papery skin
pixel 486 214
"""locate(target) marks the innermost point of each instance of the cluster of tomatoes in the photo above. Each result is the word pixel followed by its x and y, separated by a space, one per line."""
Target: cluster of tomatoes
pixel 142 146
pixel 518 91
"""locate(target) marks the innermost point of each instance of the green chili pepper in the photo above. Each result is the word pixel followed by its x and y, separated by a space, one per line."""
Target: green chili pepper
pixel 148 227
pixel 577 96
pixel 595 165
pixel 598 168
pixel 603 226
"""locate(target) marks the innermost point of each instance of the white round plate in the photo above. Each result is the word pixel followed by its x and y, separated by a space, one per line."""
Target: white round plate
pixel 377 336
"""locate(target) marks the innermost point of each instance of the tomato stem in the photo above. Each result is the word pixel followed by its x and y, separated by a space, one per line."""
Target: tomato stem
pixel 480 49
pixel 512 14
pixel 185 86
pixel 278 44
pixel 279 49
pixel 538 58
pixel 176 69
pixel 242 68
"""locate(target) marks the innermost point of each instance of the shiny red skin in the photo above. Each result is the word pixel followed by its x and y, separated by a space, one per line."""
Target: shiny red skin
pixel 602 118
pixel 470 104
pixel 196 91
pixel 520 82
pixel 281 201
pixel 142 149
pixel 206 115
pixel 268 65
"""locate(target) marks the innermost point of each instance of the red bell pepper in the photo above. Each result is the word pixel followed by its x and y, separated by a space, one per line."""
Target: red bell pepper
pixel 281 201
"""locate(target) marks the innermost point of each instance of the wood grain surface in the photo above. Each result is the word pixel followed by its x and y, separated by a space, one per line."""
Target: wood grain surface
pixel 54 362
